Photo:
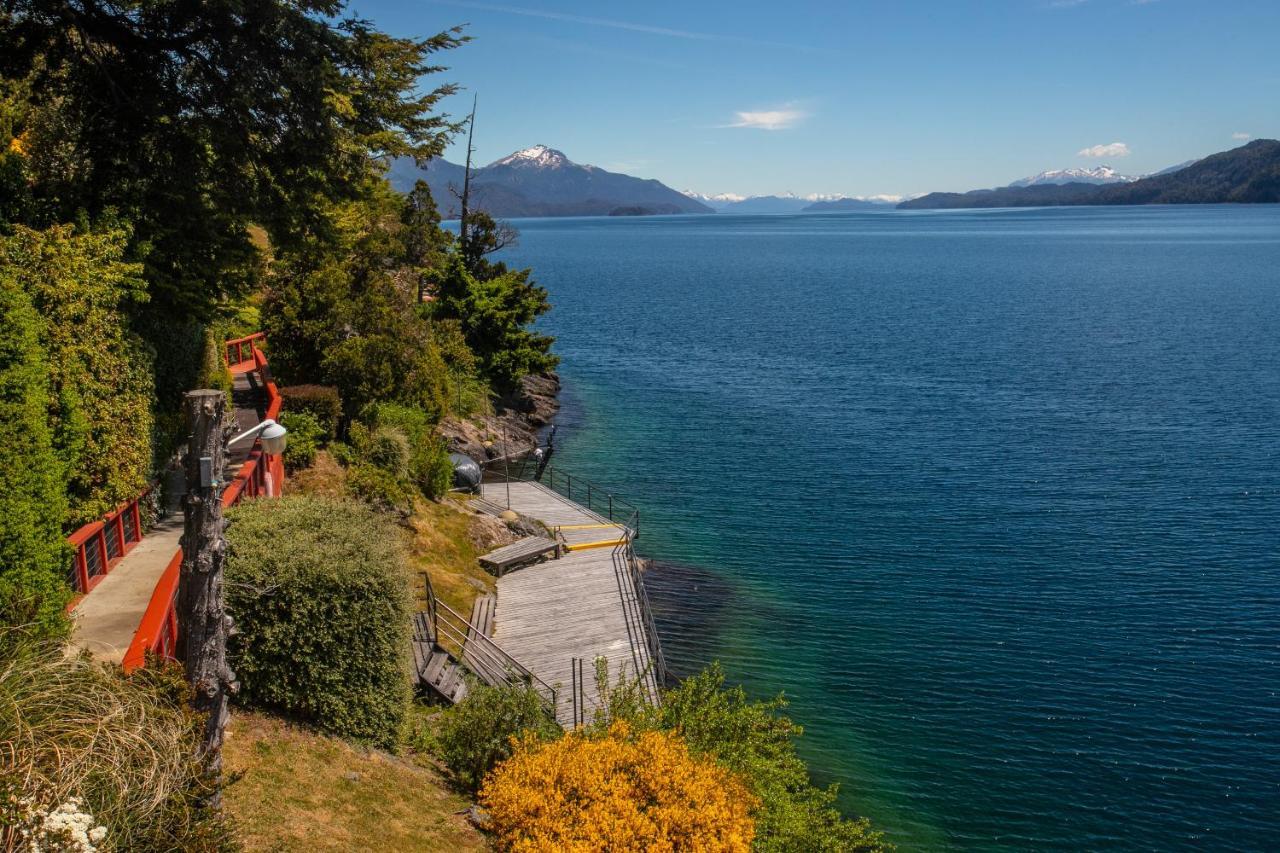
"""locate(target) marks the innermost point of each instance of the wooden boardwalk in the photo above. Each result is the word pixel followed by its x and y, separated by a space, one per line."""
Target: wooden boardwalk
pixel 583 605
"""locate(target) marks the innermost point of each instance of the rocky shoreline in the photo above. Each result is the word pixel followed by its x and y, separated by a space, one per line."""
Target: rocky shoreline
pixel 512 429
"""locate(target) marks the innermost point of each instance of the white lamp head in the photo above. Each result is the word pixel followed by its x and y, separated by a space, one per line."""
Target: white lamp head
pixel 273 437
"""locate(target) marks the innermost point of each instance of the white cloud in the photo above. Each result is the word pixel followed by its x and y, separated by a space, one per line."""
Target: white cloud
pixel 1114 149
pixel 769 119
pixel 1239 135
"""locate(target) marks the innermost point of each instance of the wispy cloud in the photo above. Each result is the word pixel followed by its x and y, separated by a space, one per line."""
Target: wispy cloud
pixel 779 119
pixel 1066 4
pixel 1239 135
pixel 612 23
pixel 1112 149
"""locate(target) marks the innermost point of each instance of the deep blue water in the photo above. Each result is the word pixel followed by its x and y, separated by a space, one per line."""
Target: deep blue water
pixel 993 496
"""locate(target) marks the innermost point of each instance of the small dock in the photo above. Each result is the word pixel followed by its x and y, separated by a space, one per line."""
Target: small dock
pixel 585 605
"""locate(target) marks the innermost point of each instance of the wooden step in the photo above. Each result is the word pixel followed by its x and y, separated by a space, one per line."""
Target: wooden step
pixel 482 614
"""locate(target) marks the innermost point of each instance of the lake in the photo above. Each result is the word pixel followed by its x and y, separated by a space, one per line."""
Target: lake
pixel 993 496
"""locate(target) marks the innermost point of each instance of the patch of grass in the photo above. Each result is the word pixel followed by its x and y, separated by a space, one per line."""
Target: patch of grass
pixel 445 543
pixel 299 790
pixel 324 478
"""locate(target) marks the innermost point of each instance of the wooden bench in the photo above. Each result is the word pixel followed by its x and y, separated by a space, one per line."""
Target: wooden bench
pixel 527 550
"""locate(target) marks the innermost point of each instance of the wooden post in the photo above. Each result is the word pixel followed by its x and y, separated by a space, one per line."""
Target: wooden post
pixel 203 624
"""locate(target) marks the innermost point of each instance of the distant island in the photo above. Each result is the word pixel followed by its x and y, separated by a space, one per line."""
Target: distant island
pixel 541 181
pixel 1249 174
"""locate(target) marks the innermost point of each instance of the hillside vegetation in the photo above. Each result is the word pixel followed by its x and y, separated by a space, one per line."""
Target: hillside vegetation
pixel 1249 174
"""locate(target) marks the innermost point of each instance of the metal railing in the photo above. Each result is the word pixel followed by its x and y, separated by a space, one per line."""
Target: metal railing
pixel 478 652
pixel 625 561
pixel 580 490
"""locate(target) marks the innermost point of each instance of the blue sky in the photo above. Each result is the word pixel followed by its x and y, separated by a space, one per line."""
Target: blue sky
pixel 858 98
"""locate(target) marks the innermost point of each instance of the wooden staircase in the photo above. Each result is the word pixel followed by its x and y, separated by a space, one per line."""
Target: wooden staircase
pixel 436 668
pixel 449 651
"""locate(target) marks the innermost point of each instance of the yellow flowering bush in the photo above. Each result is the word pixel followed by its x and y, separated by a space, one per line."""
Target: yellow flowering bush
pixel 619 792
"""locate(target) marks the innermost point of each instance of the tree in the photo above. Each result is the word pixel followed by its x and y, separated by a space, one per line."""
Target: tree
pixel 344 312
pixel 195 120
pixel 494 315
pixel 425 242
pixel 33 554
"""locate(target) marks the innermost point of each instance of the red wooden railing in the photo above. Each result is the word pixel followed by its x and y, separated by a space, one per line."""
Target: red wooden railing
pixel 234 352
pixel 261 475
pixel 99 545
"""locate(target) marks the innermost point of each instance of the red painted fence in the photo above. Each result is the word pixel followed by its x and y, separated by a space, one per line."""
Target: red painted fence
pixel 99 545
pixel 261 475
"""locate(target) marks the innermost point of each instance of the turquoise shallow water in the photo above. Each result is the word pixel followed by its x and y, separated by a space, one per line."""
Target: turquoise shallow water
pixel 993 496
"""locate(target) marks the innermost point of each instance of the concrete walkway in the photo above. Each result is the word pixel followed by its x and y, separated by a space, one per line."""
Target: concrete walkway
pixel 106 619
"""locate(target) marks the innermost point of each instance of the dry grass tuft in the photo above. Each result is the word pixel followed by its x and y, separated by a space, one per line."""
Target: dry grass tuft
pixel 69 727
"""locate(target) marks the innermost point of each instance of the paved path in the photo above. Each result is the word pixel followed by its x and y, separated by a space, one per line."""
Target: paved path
pixel 106 619
pixel 583 605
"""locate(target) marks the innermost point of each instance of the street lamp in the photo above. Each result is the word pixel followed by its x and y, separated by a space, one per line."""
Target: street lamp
pixel 273 436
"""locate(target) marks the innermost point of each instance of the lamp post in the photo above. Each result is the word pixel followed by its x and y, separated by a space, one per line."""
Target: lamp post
pixel 203 622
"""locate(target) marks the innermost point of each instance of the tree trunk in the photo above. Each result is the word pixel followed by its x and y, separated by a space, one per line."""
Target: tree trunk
pixel 203 624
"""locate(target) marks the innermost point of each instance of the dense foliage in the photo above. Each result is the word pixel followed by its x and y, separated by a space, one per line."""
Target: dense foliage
pixel 478 733
pixel 622 791
pixel 757 743
pixel 320 592
pixel 100 373
pixel 427 463
pixel 80 739
pixel 194 121
pixel 495 314
pixel 320 401
pixel 33 555
pixel 305 433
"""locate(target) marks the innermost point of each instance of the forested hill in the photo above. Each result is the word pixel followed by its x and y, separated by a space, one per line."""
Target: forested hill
pixel 1249 174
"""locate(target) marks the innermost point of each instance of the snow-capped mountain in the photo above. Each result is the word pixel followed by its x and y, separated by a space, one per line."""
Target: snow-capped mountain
pixel 541 181
pixel 783 203
pixel 539 157
pixel 715 202
pixel 1096 175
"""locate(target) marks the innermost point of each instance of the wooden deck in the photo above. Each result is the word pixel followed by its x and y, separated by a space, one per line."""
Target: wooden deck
pixel 582 605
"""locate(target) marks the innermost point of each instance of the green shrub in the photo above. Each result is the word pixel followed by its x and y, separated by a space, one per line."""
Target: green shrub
pixel 33 554
pixel 320 401
pixel 755 741
pixel 123 746
pixel 472 737
pixel 343 454
pixel 387 448
pixel 380 489
pixel 429 467
pixel 303 440
pixel 320 590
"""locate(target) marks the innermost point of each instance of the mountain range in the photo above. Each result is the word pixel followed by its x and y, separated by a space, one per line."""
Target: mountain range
pixel 1249 174
pixel 790 203
pixel 541 181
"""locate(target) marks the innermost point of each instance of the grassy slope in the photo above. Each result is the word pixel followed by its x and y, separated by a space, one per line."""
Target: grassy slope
pixel 443 544
pixel 299 790
pixel 442 536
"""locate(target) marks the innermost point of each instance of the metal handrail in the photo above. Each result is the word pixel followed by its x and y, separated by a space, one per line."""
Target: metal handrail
pixel 625 551
pixel 487 654
pixel 580 490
